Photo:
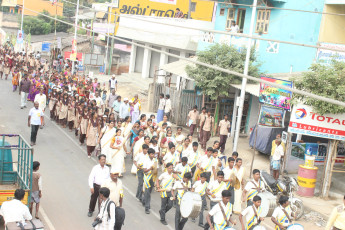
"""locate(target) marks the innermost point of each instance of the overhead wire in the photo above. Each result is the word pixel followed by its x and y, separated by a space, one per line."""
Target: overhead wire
pixel 144 18
pixel 258 80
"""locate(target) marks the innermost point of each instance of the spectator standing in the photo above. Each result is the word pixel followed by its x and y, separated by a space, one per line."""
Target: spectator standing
pixel 234 28
pixel 201 120
pixel 223 130
pixel 167 108
pixel 41 98
pixel 206 128
pixel 36 193
pixel 15 210
pixel 161 106
pixel 179 13
pixel 275 162
pixel 116 107
pixel 112 97
pixel 24 89
pixel 98 175
pixel 35 120
pixel 193 117
pixel 113 83
pixel 124 109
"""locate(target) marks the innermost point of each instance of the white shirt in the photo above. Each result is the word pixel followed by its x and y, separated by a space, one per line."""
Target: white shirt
pixel 140 158
pixel 161 104
pixel 280 215
pixel 113 83
pixel 178 186
pixel 248 213
pixel 15 210
pixel 182 169
pixel 124 110
pixel 200 187
pixel 148 163
pixel 103 215
pixel 36 115
pixel 216 188
pixel 250 187
pixel 99 102
pixel 42 101
pixel 164 178
pixel 167 108
pixel 217 213
pixel 204 162
pixel 278 153
pixel 169 157
pixel 98 175
pixel 227 173
pixel 193 157
pixel 234 29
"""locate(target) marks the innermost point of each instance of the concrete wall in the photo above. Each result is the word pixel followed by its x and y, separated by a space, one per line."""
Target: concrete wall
pixel 173 59
pixel 155 58
pixel 332 26
pixel 139 60
pixel 9 20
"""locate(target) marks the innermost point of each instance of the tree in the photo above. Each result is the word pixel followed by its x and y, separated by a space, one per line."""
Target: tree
pixel 36 26
pixel 215 83
pixel 323 80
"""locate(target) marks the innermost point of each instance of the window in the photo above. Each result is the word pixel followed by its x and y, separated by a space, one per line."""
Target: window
pixel 262 21
pixel 193 7
pixel 230 17
pixel 222 12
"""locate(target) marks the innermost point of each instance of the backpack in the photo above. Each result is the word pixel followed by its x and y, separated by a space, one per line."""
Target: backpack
pixel 120 215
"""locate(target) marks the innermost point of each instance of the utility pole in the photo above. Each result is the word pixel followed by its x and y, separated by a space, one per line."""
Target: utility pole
pixel 106 51
pixel 112 42
pixel 75 32
pixel 189 9
pixel 21 26
pixel 244 80
pixel 93 33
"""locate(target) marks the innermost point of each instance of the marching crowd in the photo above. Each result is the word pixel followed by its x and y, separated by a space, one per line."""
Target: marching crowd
pixel 164 159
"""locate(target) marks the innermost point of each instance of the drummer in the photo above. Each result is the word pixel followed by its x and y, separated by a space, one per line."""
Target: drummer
pixel 180 187
pixel 282 214
pixel 164 185
pixel 182 168
pixel 229 176
pixel 253 187
pixel 252 214
pixel 220 211
pixel 215 188
pixel 200 187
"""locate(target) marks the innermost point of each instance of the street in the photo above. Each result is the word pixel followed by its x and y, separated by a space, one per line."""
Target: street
pixel 65 169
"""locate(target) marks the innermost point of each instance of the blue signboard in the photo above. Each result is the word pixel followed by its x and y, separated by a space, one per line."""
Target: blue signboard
pixel 46 47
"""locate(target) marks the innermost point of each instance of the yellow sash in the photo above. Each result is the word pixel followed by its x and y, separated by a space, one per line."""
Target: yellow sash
pixel 224 223
pixel 251 222
pixel 186 169
pixel 281 221
pixel 214 191
pixel 195 160
pixel 209 164
pixel 253 193
pixel 164 193
pixel 202 192
pixel 147 178
pixel 180 193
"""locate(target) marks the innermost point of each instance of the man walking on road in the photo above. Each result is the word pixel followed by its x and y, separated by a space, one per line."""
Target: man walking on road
pixel 113 83
pixel 41 98
pixel 124 109
pixel 106 214
pixel 24 89
pixel 97 177
pixel 193 117
pixel 35 120
pixel 167 108
pixel 223 130
pixel 112 97
pixel 115 186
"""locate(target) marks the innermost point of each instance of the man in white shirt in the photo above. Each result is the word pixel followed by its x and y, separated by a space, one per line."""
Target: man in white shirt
pixel 253 187
pixel 200 187
pixel 192 119
pixel 215 188
pixel 15 210
pixel 277 155
pixel 221 209
pixel 234 28
pixel 193 157
pixel 116 107
pixel 98 175
pixel 107 219
pixel 164 185
pixel 167 108
pixel 223 131
pixel 229 174
pixel 205 163
pixel 35 120
pixel 182 168
pixel 113 83
pixel 148 167
pixel 282 214
pixel 114 184
pixel 124 109
pixel 41 98
pixel 252 214
pixel 160 111
pixel 139 160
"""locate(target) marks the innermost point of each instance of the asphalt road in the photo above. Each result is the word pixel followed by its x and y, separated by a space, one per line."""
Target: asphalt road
pixel 65 169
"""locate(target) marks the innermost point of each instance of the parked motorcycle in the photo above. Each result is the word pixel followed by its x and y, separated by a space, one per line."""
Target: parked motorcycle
pixel 286 186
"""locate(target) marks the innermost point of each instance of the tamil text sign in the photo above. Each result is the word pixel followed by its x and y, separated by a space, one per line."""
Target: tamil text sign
pixel 304 121
pixel 275 96
pixel 326 56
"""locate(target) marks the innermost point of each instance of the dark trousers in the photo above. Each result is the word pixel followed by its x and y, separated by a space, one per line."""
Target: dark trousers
pixel 191 129
pixel 213 204
pixel 232 198
pixel 205 137
pixel 90 149
pixel 166 205
pixel 147 195
pixel 222 142
pixel 208 176
pixel 140 176
pixel 201 214
pixel 82 138
pixel 193 170
pixel 94 197
pixel 179 220
pixel 34 130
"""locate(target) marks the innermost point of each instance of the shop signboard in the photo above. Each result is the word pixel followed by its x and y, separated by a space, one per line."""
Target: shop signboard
pixel 307 122
pixel 275 96
pixel 271 116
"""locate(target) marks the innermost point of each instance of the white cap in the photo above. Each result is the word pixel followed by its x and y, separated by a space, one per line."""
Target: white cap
pixel 114 171
pixel 126 99
pixel 113 75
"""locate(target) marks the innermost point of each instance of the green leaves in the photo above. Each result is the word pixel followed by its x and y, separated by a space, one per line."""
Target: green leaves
pixel 216 83
pixel 323 80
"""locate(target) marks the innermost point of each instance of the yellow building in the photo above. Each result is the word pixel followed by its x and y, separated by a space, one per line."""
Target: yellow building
pixel 200 10
pixel 332 25
pixel 15 6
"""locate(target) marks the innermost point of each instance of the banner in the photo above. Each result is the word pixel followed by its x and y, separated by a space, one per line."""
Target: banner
pixel 274 96
pixel 46 47
pixel 304 121
pixel 73 55
pixel 271 116
pixel 59 43
pixel 20 37
pixel 79 56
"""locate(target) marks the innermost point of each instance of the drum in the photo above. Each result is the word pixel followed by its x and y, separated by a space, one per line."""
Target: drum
pixel 259 227
pixel 295 227
pixel 268 203
pixel 191 203
pixel 229 228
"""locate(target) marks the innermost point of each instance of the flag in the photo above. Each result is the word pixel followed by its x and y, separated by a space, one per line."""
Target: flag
pixel 20 37
pixel 73 56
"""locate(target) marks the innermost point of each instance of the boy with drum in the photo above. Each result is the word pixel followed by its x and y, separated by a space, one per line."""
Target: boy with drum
pixel 253 187
pixel 180 187
pixel 182 168
pixel 252 214
pixel 200 187
pixel 215 188
pixel 282 214
pixel 221 213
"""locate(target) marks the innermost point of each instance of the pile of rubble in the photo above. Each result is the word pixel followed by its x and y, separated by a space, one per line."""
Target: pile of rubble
pixel 316 218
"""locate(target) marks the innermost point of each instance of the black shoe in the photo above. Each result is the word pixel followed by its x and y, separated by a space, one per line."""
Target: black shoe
pixel 22 107
pixel 193 220
pixel 89 214
pixel 147 211
pixel 164 222
pixel 201 225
